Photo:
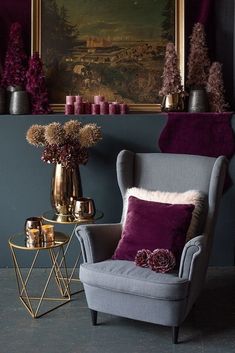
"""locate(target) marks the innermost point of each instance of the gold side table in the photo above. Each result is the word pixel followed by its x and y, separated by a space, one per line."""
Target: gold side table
pixel 53 217
pixel 58 273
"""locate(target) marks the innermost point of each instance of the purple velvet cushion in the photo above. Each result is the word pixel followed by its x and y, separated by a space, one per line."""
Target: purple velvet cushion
pixel 151 225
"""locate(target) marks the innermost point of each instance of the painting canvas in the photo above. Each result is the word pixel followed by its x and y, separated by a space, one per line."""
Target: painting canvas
pixel 111 47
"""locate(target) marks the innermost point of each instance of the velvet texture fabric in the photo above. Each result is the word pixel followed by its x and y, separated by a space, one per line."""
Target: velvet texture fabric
pixel 204 10
pixel 151 225
pixel 204 134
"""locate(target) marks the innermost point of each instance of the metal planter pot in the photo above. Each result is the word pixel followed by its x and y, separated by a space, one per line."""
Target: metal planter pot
pixel 198 101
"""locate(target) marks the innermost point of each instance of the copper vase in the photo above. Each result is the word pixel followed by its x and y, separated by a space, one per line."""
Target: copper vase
pixel 66 188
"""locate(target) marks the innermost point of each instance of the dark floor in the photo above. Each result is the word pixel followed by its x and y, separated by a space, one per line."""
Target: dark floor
pixel 210 328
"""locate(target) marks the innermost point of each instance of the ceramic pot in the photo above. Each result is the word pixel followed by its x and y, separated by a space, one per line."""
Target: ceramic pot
pixel 198 101
pixel 66 188
pixel 2 100
pixel 19 103
pixel 9 91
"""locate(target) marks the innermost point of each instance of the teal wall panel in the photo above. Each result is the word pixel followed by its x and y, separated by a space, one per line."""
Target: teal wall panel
pixel 25 179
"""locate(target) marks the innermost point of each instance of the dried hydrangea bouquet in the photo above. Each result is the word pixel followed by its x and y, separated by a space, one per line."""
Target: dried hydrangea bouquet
pixel 66 146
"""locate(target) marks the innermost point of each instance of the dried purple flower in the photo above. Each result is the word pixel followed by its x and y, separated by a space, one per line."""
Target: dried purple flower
pixel 72 128
pixel 15 66
pixel 50 154
pixel 82 156
pixel 55 134
pixel 141 258
pixel 36 86
pixel 89 135
pixel 36 135
pixel 161 260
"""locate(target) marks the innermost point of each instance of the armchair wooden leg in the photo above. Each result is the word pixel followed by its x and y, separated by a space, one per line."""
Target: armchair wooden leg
pixel 93 317
pixel 175 334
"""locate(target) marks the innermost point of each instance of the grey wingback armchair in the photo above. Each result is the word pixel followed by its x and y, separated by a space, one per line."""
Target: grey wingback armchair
pixel 119 287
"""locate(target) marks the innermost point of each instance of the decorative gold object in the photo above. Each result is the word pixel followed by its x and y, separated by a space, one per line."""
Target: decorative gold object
pixel 51 216
pixel 33 238
pixel 66 188
pixel 57 272
pixel 173 102
pixel 48 233
pixel 84 208
pixel 33 230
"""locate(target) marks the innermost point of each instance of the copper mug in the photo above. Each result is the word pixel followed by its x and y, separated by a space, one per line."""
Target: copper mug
pixel 31 225
pixel 84 208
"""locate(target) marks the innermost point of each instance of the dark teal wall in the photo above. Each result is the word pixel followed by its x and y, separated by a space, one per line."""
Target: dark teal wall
pixel 25 179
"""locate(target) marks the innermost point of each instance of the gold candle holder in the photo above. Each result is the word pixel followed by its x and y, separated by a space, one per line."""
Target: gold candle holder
pixel 48 233
pixel 84 208
pixel 33 237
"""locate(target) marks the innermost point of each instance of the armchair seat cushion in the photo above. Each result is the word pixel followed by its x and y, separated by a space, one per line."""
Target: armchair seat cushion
pixel 125 277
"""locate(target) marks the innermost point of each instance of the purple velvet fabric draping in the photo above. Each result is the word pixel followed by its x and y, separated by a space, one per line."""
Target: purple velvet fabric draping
pixel 204 10
pixel 206 134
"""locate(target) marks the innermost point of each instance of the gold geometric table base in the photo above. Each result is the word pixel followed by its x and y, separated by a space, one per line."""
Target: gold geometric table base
pixel 51 216
pixel 58 272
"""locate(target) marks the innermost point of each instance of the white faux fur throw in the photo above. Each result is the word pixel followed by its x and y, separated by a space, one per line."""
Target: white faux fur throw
pixel 194 197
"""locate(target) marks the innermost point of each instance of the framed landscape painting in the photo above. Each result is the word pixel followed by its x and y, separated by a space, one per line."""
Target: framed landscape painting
pixel 113 48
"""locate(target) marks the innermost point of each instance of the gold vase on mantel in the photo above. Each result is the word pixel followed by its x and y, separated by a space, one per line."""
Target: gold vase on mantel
pixel 173 102
pixel 66 188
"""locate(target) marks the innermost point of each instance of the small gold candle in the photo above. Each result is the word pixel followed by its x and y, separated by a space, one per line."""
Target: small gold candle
pixel 33 236
pixel 48 233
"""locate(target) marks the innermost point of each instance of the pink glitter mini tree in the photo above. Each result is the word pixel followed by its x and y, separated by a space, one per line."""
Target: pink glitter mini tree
pixel 215 88
pixel 198 61
pixel 171 74
pixel 15 66
pixel 36 86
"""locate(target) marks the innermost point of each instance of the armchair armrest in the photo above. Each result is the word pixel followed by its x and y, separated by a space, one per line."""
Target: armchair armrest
pixel 193 257
pixel 193 266
pixel 98 241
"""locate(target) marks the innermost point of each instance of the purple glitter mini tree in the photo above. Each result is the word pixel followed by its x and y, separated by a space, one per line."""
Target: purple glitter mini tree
pixel 36 86
pixel 15 66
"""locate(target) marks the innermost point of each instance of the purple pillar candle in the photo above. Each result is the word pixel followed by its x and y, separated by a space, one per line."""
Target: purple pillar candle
pixel 78 108
pixel 87 109
pixel 112 108
pixel 95 109
pixel 70 100
pixel 123 108
pixel 69 109
pixel 117 107
pixel 98 99
pixel 78 99
pixel 104 108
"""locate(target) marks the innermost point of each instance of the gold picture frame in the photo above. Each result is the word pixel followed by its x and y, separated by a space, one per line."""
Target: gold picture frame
pixel 36 46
